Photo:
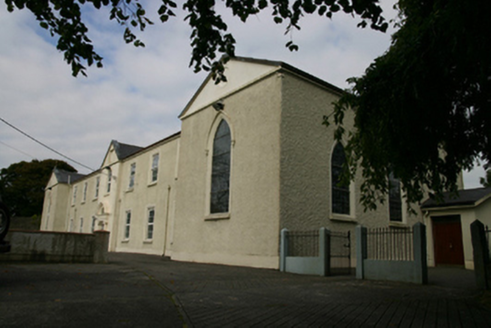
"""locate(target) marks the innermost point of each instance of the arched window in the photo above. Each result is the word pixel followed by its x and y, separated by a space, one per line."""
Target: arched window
pixel 340 192
pixel 220 171
pixel 395 202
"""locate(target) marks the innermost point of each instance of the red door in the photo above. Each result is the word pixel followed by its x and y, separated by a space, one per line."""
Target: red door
pixel 447 239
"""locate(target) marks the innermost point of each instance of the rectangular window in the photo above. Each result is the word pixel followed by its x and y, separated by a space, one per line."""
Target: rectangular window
pixel 127 225
pixel 81 225
pixel 74 199
pixel 155 167
pixel 49 210
pixel 93 224
pixel 84 197
pixel 132 176
pixel 151 217
pixel 97 182
pixel 109 178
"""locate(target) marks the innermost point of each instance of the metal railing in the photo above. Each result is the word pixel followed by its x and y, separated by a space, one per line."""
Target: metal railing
pixel 390 244
pixel 307 244
pixel 303 243
pixel 340 252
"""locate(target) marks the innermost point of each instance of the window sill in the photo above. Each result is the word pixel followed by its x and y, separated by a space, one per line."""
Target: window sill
pixel 153 183
pixel 217 217
pixel 396 224
pixel 343 218
pixel 148 241
pixel 125 241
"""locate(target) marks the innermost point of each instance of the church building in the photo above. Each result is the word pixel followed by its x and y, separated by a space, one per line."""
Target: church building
pixel 252 158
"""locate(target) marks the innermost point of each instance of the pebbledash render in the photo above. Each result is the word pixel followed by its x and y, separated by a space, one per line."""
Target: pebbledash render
pixel 251 159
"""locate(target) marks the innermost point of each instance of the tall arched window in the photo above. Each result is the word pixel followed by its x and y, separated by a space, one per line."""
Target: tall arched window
pixel 340 192
pixel 395 202
pixel 220 171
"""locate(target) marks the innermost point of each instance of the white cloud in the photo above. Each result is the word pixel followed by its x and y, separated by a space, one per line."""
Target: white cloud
pixel 139 93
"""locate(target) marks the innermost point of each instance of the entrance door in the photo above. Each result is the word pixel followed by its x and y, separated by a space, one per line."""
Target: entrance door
pixel 447 239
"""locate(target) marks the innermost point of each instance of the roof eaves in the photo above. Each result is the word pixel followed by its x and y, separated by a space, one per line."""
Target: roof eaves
pixel 466 199
pixel 166 139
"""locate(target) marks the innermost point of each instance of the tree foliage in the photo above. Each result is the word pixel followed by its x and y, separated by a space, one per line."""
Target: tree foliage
pixel 422 110
pixel 22 185
pixel 210 42
pixel 486 181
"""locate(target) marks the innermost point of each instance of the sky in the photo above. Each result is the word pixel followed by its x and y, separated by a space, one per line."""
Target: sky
pixel 138 95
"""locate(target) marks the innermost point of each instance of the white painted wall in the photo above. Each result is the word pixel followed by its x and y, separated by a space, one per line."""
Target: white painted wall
pixel 306 150
pixel 249 234
pixel 146 194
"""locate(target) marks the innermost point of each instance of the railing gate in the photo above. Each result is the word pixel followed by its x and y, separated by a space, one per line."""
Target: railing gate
pixel 340 253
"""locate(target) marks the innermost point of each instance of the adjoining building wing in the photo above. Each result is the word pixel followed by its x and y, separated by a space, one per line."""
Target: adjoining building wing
pixel 448 225
pixel 465 198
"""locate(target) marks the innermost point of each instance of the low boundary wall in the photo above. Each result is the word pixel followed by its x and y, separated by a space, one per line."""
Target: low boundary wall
pixel 315 265
pixel 414 271
pixel 49 246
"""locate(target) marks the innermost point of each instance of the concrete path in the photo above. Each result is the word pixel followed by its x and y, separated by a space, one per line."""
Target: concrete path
pixel 148 291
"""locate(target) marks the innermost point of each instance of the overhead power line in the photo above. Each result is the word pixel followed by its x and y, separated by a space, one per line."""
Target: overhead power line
pixel 17 150
pixel 44 145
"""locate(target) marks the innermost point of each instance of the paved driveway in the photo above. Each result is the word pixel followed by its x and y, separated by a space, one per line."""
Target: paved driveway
pixel 147 291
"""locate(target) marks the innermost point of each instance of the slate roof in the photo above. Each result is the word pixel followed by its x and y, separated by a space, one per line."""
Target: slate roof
pixel 466 197
pixel 290 68
pixel 67 177
pixel 125 150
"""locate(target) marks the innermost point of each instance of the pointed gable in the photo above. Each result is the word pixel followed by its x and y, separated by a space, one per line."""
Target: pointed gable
pixel 240 72
pixel 118 151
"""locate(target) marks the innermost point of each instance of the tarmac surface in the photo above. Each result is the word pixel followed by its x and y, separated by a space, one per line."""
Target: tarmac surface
pixel 149 291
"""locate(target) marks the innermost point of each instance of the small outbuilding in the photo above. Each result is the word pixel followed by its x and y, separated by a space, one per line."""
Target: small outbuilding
pixel 448 224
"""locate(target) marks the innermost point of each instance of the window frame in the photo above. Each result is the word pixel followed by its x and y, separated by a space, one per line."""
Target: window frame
pixel 96 187
pixel 350 190
pixel 127 225
pixel 154 168
pixel 74 195
pixel 400 202
pixel 132 176
pixel 48 212
pixel 109 178
pixel 84 194
pixel 210 214
pixel 148 231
